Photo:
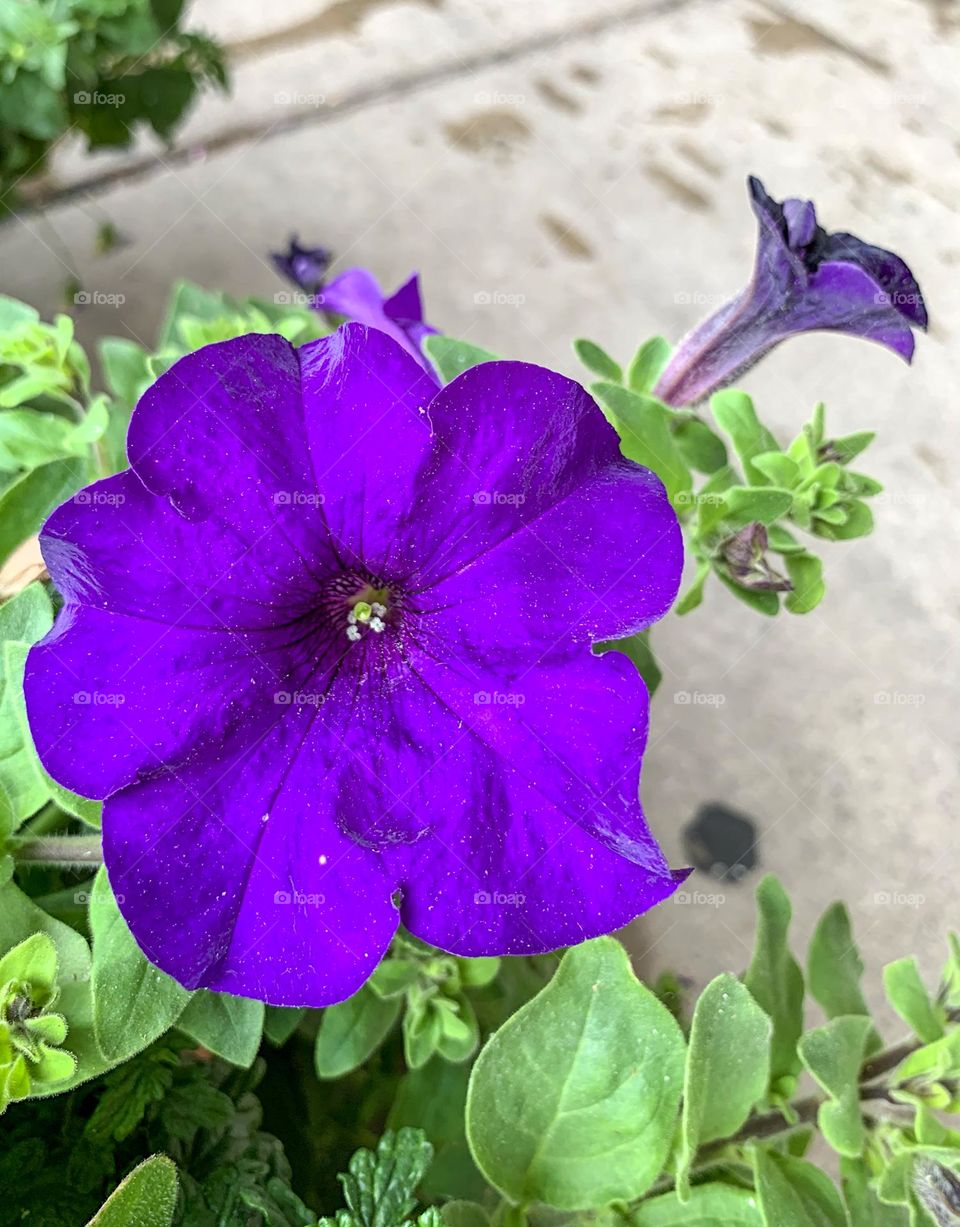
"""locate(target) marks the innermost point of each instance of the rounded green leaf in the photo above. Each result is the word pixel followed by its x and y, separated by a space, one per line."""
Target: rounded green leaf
pixel 351 1031
pixel 728 1065
pixel 229 1026
pixel 574 1100
pixel 133 1001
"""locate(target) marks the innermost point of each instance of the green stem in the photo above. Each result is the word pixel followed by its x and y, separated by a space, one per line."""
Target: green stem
pixel 68 851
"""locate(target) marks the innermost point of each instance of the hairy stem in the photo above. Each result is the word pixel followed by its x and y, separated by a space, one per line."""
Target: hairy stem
pixel 68 851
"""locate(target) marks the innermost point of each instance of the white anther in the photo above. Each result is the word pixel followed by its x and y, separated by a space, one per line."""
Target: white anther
pixel 353 633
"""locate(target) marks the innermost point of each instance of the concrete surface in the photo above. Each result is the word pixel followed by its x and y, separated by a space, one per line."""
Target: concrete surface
pixel 562 169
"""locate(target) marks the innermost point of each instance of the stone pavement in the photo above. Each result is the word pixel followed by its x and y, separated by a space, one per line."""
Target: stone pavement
pixel 558 169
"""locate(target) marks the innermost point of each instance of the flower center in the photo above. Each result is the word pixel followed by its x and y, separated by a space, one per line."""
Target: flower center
pixel 368 612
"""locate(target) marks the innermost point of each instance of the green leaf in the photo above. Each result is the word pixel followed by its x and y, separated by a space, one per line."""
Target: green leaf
pixel 13 313
pixel 766 603
pixel 27 502
pixel 848 447
pixel 125 370
pixel 693 596
pixel 637 647
pixel 590 1118
pixel 34 961
pixel 699 446
pixel 727 1070
pixel 352 1031
pixel 451 357
pixel 422 1032
pixel 146 1198
pixel 229 1026
pixel 806 574
pixel 775 980
pixel 464 1214
pixel 643 425
pixel 794 1193
pixel 598 360
pixel 864 1208
pixel 834 966
pixel 647 364
pixel 23 620
pixel 778 468
pixel 30 437
pixel 709 1205
pixel 280 1022
pixel 737 418
pixel 133 1001
pixel 833 1055
pixel 908 995
pixel 858 522
pixel 743 505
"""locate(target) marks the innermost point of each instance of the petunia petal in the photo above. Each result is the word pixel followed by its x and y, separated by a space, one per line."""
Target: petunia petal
pixel 271 899
pixel 111 696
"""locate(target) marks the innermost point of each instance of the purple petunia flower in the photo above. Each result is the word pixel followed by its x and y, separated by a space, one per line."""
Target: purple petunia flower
pixel 326 652
pixel 804 280
pixel 356 295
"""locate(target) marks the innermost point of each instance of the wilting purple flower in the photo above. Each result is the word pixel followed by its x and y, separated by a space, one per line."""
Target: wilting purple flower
pixel 304 266
pixel 804 280
pixel 326 652
pixel 745 556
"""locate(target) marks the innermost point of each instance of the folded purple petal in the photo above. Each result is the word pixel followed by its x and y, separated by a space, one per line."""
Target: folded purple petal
pixel 804 280
pixel 332 637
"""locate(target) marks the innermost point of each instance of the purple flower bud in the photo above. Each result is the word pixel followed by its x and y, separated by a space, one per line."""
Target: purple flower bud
pixel 804 280
pixel 745 558
pixel 939 1190
pixel 306 267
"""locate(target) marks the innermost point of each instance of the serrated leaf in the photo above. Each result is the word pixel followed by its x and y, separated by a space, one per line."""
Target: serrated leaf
pixel 590 1120
pixel 775 980
pixel 379 1186
pixel 133 1001
pixel 908 995
pixel 451 357
pixel 146 1198
pixel 597 360
pixel 833 1055
pixel 229 1026
pixel 352 1031
pixel 727 1069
